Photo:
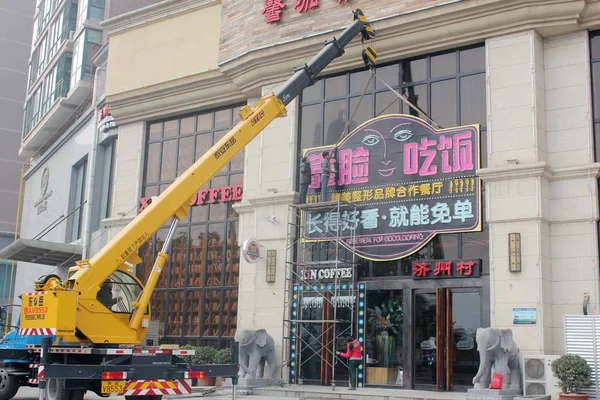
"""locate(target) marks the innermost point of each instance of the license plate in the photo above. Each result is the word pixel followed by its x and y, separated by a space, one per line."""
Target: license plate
pixel 112 387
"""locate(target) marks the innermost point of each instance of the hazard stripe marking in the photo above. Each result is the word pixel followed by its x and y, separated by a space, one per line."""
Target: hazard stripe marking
pixel 37 331
pixel 156 387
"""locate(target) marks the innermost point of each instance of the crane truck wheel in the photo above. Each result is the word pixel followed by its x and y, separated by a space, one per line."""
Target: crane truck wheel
pixel 154 397
pixel 9 385
pixel 55 390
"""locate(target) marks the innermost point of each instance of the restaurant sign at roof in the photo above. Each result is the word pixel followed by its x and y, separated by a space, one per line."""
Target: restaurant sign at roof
pixel 405 182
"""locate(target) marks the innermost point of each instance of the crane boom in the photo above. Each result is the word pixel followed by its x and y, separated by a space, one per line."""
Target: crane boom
pixel 92 320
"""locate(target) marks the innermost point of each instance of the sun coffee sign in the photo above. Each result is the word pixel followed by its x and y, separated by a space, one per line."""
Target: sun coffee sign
pixel 406 183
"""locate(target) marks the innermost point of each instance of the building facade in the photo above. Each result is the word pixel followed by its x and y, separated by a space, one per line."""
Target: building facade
pixel 523 73
pixel 13 80
pixel 68 139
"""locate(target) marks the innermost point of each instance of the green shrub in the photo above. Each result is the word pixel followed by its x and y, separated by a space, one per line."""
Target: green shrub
pixel 204 355
pixel 572 372
pixel 223 356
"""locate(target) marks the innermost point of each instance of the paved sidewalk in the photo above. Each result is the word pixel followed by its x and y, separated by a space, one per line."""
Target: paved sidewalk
pixel 306 392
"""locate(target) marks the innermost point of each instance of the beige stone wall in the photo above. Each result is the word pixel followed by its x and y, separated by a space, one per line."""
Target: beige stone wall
pixel 165 50
pixel 244 26
pixel 541 182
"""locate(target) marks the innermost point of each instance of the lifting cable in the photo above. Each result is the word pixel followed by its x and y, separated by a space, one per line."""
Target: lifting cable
pixel 404 98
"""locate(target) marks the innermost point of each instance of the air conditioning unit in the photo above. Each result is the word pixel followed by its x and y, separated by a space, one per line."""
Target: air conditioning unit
pixel 538 378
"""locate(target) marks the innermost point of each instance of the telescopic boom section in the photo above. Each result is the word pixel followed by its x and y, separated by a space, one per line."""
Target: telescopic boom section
pixel 177 199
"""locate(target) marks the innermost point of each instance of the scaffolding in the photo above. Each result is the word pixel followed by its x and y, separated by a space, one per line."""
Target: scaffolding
pixel 320 274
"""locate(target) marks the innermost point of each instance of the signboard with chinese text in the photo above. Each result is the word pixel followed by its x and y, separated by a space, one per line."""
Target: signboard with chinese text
pixel 409 182
pixel 440 269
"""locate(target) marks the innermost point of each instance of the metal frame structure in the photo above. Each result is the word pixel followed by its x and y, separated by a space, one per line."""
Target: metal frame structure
pixel 300 255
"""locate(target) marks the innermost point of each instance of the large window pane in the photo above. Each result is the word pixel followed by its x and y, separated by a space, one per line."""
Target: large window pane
pixel 414 71
pixel 417 95
pixel 223 119
pixel 596 88
pixel 171 128
pixel 197 260
pixel 205 122
pixel 186 154
pixel 167 165
pixel 193 306
pixel 335 87
pixel 178 258
pixel 362 113
pixel 472 100
pixel 153 163
pixel 175 316
pixel 443 103
pixel 335 121
pixel 311 127
pixel 155 131
pixel 218 210
pixel 443 65
pixel 595 45
pixel 312 93
pixel 389 74
pixel 187 125
pixel 386 103
pixel 212 312
pixel 472 60
pixel 358 81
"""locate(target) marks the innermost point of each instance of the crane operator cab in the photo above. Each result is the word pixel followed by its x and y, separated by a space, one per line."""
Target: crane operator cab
pixel 118 292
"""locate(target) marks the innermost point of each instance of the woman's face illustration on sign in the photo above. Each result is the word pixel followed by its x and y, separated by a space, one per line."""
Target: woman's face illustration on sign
pixel 373 139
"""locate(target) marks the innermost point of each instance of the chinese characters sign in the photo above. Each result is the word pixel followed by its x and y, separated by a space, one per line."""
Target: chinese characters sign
pixel 407 181
pixel 272 8
pixel 439 269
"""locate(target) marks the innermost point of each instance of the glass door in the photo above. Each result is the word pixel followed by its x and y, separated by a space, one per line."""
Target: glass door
pixel 463 360
pixel 445 322
pixel 427 339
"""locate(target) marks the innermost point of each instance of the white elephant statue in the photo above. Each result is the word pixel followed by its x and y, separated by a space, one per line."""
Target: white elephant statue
pixel 497 349
pixel 256 348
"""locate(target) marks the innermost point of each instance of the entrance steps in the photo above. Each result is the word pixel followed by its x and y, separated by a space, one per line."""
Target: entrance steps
pixel 307 392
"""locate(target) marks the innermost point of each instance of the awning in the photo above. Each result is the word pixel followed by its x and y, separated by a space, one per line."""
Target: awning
pixel 41 252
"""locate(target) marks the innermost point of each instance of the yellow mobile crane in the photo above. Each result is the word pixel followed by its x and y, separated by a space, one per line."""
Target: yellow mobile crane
pixel 88 351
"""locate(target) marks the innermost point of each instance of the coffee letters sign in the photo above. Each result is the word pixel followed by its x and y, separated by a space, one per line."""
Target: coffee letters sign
pixel 326 274
pixel 226 194
pixel 406 182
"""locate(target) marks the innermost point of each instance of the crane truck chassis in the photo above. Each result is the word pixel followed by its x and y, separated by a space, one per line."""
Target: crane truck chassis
pixel 90 345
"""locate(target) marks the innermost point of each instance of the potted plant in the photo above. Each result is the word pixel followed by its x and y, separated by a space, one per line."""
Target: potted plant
pixel 205 355
pixel 385 323
pixel 573 374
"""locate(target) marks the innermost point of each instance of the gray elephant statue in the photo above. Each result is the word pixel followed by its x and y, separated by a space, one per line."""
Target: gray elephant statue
pixel 256 348
pixel 497 349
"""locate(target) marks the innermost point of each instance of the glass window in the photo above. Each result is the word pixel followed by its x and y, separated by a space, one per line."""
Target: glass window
pixel 443 103
pixel 443 65
pixel 108 151
pixel 77 201
pixel 384 336
pixel 202 274
pixel 449 87
pixel 118 292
